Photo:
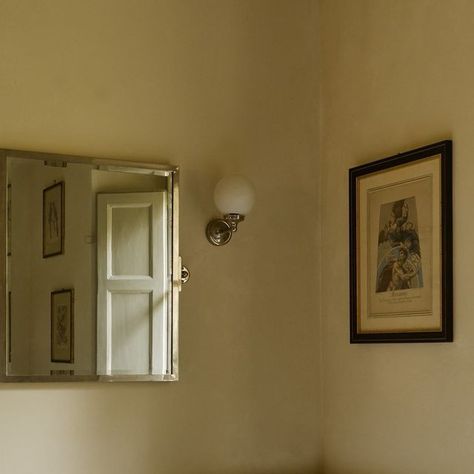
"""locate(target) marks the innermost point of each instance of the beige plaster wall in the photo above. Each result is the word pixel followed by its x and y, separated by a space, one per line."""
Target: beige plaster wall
pixel 215 86
pixel 396 75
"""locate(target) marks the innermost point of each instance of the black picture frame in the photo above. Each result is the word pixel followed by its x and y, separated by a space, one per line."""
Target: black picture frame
pixel 371 297
pixel 62 326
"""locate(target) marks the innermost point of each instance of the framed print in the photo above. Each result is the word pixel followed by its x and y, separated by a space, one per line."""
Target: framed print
pixel 53 220
pixel 62 326
pixel 401 247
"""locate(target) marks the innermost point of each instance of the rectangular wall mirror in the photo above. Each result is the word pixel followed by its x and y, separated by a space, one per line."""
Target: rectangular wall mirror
pixel 90 269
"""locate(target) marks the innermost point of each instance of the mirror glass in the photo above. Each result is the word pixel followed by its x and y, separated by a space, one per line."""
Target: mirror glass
pixel 91 269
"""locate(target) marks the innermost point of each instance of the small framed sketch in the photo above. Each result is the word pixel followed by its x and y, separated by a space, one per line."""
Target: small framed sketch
pixel 53 220
pixel 401 275
pixel 62 326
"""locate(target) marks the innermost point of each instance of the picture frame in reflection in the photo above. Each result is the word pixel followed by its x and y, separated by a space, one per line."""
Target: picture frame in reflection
pixel 401 262
pixel 53 220
pixel 62 326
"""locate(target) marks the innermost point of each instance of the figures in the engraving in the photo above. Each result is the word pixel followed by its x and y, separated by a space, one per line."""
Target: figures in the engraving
pixel 61 326
pixel 53 221
pixel 399 255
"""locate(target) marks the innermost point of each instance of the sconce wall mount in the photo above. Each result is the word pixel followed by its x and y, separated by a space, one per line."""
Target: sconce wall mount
pixel 219 231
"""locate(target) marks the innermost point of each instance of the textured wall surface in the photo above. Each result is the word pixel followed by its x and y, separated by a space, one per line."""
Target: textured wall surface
pixel 215 87
pixel 396 75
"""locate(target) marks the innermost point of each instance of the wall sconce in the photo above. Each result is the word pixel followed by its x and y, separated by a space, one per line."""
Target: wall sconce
pixel 234 197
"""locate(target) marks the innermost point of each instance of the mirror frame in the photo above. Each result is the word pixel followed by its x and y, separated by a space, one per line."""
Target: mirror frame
pixel 172 175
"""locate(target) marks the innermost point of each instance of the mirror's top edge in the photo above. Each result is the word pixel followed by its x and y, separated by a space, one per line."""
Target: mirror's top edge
pixel 166 169
pixel 86 378
pixel 47 378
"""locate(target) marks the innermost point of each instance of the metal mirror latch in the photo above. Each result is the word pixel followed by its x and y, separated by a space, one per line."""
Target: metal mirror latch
pixel 184 274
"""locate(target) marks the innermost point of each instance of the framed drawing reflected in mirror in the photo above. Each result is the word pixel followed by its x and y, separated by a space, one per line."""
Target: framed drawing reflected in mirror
pixel 401 247
pixel 53 220
pixel 62 326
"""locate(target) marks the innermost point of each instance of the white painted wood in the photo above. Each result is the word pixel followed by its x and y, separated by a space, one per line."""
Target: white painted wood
pixel 132 293
pixel 130 333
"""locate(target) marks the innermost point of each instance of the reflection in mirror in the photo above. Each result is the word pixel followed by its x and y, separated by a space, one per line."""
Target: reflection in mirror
pixel 90 269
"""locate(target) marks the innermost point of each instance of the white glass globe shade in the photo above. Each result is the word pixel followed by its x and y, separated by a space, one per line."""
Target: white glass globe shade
pixel 234 195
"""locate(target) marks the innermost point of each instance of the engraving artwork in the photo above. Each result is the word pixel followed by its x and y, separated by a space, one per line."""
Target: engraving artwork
pixel 398 253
